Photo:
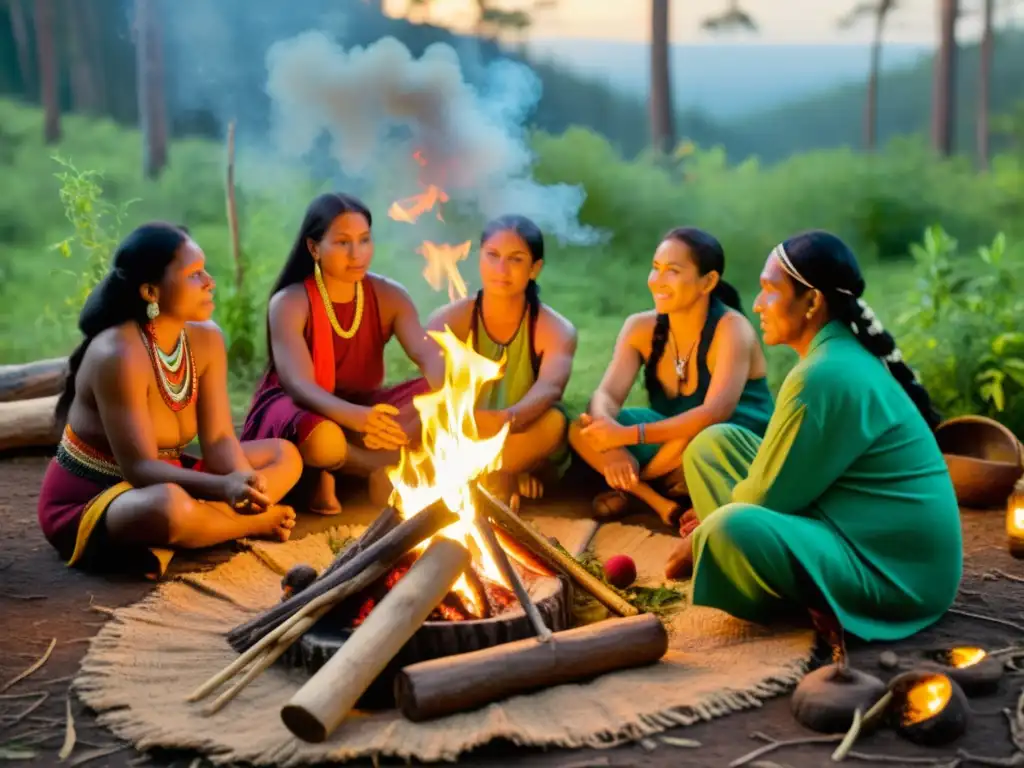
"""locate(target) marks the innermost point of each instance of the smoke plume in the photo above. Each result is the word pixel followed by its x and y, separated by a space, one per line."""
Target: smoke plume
pixel 378 106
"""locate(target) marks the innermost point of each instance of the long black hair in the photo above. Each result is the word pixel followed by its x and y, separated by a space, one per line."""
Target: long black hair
pixel 709 256
pixel 820 260
pixel 142 258
pixel 320 214
pixel 531 235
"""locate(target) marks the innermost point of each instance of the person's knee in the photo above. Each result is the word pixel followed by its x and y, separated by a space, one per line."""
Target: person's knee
pixel 576 435
pixel 704 446
pixel 735 526
pixel 169 514
pixel 287 458
pixel 325 447
pixel 551 429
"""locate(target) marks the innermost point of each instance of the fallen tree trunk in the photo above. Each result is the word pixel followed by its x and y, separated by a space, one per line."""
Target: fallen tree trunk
pixel 28 424
pixel 41 378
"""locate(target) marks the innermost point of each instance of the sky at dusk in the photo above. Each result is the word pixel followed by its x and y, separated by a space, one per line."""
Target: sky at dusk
pixel 781 21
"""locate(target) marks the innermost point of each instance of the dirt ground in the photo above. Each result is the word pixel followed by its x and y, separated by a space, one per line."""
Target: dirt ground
pixel 42 600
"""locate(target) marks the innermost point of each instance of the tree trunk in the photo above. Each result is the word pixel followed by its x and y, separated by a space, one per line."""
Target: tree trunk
pixel 662 128
pixel 84 94
pixel 944 90
pixel 23 46
pixel 49 85
pixel 985 83
pixel 874 69
pixel 150 82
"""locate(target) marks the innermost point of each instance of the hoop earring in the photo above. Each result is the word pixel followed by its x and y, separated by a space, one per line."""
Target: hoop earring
pixel 152 310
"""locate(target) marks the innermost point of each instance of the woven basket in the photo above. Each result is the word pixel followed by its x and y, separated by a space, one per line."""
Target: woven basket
pixel 985 460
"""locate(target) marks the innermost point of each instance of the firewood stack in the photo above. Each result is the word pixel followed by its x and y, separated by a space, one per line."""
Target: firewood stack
pixel 446 685
pixel 28 396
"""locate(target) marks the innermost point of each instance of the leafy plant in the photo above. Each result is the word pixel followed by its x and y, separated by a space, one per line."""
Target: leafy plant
pixel 97 224
pixel 961 327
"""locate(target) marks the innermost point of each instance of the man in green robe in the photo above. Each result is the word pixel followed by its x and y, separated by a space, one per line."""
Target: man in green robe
pixel 845 507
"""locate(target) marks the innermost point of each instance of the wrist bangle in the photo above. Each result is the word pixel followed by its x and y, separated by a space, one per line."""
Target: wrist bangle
pixel 641 438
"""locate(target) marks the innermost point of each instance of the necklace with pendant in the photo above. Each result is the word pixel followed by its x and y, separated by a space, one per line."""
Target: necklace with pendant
pixel 682 364
pixel 175 372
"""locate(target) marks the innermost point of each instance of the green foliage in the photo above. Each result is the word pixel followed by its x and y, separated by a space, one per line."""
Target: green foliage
pixel 97 227
pixel 961 328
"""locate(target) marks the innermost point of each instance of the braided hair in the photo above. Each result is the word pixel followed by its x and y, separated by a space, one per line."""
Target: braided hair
pixel 709 256
pixel 531 235
pixel 820 260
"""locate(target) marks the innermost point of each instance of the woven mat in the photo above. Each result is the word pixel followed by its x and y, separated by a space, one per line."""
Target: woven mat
pixel 151 655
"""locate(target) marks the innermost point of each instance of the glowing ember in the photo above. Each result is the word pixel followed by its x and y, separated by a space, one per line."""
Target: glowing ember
pixel 926 699
pixel 965 657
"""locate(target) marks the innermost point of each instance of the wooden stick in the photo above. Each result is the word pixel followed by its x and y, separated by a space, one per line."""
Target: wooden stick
pixel 393 545
pixel 42 378
pixel 555 558
pixel 326 699
pixel 286 633
pixel 384 523
pixel 451 684
pixel 232 209
pixel 501 559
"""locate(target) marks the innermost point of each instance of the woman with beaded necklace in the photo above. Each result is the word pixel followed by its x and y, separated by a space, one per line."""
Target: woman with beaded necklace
pixel 150 375
pixel 328 322
pixel 702 365
pixel 845 507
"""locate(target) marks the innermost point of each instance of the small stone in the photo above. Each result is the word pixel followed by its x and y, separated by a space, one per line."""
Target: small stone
pixel 888 660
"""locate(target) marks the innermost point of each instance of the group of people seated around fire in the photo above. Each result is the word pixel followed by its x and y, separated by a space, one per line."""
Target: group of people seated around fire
pixel 831 498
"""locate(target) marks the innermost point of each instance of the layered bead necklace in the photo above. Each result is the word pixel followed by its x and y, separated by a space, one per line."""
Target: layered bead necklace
pixel 175 372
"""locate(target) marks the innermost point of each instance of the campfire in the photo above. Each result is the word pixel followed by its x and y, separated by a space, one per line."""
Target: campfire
pixel 446 574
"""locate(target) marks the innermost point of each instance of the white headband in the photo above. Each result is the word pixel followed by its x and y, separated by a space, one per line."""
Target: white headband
pixel 779 252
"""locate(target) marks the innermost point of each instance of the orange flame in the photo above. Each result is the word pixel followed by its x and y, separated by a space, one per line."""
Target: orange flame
pixel 411 208
pixel 927 698
pixel 443 262
pixel 965 657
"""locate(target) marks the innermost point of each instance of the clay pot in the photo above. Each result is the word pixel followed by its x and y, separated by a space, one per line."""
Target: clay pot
pixel 929 707
pixel 984 458
pixel 975 679
pixel 826 698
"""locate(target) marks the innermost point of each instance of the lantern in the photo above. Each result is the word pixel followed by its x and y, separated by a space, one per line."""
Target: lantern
pixel 1015 520
pixel 971 668
pixel 930 707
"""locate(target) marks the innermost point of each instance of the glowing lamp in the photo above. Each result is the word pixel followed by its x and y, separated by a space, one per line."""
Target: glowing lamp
pixel 971 668
pixel 930 707
pixel 1015 520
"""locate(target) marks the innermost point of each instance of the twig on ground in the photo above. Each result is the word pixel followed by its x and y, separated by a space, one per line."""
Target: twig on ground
pixel 98 608
pixel 1015 760
pixel 774 744
pixel 65 679
pixel 13 696
pixel 13 596
pixel 996 573
pixel 983 617
pixel 42 660
pixel 675 741
pixel 27 711
pixel 95 754
pixel 69 732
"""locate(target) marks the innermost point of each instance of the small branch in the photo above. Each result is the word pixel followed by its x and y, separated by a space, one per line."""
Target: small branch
pixel 996 573
pixel 15 719
pixel 774 744
pixel 13 596
pixel 983 617
pixel 42 660
pixel 232 208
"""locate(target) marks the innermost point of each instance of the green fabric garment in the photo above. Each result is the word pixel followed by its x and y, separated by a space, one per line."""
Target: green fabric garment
pixel 517 379
pixel 846 503
pixel 753 410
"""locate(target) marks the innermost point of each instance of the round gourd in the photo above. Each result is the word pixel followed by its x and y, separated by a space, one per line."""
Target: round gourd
pixel 297 579
pixel 929 707
pixel 826 699
pixel 972 668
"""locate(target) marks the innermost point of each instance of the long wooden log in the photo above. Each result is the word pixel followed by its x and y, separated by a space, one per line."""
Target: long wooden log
pixel 544 549
pixel 42 378
pixel 390 547
pixel 451 684
pixel 320 705
pixel 28 424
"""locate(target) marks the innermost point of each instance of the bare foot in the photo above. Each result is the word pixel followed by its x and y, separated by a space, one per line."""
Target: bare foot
pixel 276 523
pixel 324 497
pixel 380 487
pixel 680 562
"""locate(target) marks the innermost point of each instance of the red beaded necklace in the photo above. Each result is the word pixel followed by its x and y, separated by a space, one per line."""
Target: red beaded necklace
pixel 176 372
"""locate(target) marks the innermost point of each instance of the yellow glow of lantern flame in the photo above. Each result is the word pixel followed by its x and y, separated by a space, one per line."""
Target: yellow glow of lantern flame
pixel 1015 522
pixel 926 699
pixel 965 657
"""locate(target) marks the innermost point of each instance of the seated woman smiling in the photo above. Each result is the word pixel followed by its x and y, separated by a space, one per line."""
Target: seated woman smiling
pixel 702 365
pixel 845 507
pixel 508 318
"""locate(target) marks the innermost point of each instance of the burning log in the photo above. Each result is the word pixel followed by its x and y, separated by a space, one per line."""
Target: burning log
pixel 383 524
pixel 444 686
pixel 555 558
pixel 326 699
pixel 388 549
pixel 28 423
pixel 42 378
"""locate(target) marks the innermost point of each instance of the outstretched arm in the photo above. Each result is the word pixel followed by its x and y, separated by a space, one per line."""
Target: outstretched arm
pixel 618 378
pixel 558 348
pixel 222 452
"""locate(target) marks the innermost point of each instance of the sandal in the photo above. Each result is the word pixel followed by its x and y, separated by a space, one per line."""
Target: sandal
pixel 610 504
